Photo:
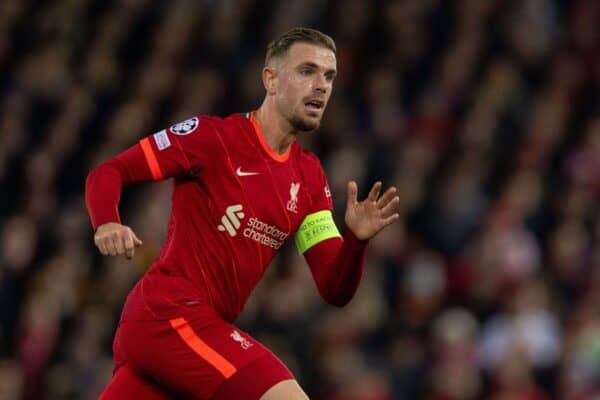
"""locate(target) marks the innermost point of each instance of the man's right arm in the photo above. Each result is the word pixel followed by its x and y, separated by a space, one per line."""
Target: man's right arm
pixel 102 194
pixel 175 151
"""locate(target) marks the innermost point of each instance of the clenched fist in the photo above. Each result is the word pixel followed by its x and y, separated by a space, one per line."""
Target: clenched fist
pixel 115 239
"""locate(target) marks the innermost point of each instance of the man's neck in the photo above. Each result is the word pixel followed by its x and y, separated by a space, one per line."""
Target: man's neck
pixel 278 133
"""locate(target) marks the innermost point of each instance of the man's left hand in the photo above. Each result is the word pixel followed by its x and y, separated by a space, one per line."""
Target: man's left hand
pixel 366 218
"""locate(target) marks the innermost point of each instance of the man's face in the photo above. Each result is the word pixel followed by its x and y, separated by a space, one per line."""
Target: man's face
pixel 304 80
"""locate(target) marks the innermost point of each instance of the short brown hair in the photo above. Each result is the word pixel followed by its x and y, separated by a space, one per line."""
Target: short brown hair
pixel 282 44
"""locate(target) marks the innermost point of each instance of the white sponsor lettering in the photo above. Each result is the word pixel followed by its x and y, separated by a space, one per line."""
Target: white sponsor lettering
pixel 265 234
pixel 255 229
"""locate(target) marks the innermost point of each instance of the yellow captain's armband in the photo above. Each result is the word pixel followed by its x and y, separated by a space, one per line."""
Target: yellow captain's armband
pixel 315 228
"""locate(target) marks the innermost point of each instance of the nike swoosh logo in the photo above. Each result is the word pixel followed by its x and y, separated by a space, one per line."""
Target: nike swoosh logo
pixel 239 172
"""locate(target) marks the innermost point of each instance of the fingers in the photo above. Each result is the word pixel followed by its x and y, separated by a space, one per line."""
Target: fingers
pixel 136 240
pixel 105 244
pixel 381 202
pixel 391 219
pixel 131 242
pixel 374 193
pixel 119 243
pixel 111 246
pixel 388 196
pixel 116 239
pixel 390 207
pixel 352 193
pixel 101 246
pixel 129 246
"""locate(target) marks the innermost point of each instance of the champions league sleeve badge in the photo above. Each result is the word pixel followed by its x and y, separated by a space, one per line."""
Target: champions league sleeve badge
pixel 186 127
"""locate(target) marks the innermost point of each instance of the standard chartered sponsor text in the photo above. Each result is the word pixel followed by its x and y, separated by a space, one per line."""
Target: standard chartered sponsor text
pixel 268 235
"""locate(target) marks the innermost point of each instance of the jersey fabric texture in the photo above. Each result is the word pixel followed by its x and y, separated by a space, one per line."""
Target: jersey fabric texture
pixel 232 209
pixel 234 203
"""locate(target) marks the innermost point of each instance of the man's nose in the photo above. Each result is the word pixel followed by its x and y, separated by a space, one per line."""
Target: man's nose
pixel 321 84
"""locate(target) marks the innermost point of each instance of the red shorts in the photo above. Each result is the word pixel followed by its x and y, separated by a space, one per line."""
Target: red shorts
pixel 192 354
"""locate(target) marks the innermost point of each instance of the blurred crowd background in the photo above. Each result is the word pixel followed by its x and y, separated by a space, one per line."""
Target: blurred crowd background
pixel 484 113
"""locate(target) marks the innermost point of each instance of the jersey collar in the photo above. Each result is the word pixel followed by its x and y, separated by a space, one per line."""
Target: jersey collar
pixel 261 138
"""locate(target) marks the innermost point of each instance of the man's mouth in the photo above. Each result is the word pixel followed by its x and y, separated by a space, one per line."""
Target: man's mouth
pixel 315 104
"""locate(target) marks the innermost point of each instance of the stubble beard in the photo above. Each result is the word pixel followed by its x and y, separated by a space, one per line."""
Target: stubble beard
pixel 303 125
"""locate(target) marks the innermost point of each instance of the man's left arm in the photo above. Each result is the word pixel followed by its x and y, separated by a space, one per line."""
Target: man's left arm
pixel 337 263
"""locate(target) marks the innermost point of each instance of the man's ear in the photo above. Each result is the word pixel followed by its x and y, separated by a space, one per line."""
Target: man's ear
pixel 269 77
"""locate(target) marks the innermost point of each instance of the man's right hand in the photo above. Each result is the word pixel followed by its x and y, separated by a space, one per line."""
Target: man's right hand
pixel 115 239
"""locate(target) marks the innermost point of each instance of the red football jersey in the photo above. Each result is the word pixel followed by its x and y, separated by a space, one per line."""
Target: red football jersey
pixel 235 202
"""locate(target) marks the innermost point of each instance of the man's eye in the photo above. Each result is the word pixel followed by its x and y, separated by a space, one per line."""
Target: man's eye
pixel 306 72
